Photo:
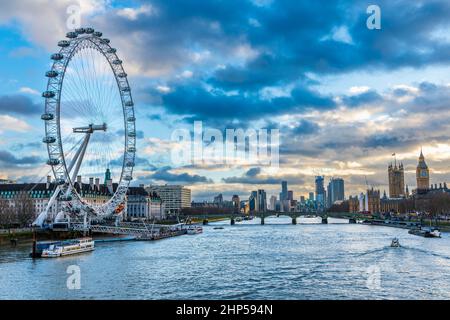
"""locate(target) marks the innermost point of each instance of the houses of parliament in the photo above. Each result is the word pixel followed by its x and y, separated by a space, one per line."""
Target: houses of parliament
pixel 400 199
pixel 397 179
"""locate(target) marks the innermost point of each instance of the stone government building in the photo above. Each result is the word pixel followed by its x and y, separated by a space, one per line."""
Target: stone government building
pixel 399 200
pixel 141 204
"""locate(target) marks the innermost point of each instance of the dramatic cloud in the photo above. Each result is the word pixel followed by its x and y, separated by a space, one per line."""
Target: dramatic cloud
pixel 195 100
pixel 13 124
pixel 254 177
pixel 7 159
pixel 164 174
pixel 367 97
pixel 255 64
pixel 19 104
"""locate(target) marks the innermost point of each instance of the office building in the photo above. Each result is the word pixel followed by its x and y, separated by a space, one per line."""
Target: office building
pixel 335 191
pixel 174 197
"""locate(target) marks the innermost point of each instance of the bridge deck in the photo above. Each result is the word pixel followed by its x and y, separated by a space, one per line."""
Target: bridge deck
pixel 126 228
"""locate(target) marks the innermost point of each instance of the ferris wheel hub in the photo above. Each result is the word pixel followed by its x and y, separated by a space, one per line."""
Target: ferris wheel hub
pixel 90 128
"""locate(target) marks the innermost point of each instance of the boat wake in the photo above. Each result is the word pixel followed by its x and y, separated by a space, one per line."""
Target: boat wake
pixel 402 249
pixel 373 251
pixel 427 252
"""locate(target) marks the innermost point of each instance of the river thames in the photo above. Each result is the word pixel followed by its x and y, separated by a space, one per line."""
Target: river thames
pixel 246 261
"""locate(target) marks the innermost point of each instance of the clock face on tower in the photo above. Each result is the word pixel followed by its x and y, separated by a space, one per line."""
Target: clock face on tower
pixel 423 174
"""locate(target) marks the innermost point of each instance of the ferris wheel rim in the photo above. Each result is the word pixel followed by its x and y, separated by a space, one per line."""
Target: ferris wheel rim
pixel 78 40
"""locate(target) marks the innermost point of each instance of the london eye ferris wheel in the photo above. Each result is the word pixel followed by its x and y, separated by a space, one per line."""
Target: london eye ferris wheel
pixel 89 121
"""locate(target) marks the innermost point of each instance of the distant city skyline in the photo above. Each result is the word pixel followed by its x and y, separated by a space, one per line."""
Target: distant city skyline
pixel 335 190
pixel 343 104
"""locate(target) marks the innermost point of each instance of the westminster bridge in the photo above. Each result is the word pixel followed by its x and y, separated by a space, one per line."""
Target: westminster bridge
pixel 205 218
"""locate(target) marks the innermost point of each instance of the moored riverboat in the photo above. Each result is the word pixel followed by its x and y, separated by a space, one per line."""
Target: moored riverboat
pixel 194 230
pixel 69 247
pixel 43 245
pixel 426 232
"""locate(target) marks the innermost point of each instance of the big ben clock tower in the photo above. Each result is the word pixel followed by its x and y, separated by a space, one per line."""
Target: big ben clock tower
pixel 422 174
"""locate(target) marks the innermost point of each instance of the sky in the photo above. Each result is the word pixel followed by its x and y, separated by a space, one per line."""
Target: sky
pixel 343 97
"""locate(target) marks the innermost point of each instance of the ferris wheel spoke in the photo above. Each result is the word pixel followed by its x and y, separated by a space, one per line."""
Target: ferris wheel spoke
pixel 85 78
pixel 75 92
pixel 82 88
pixel 94 71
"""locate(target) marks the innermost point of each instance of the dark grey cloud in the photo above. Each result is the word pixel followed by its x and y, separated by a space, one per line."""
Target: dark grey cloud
pixel 38 145
pixel 400 92
pixel 253 172
pixel 193 99
pixel 251 180
pixel 163 174
pixel 305 127
pixel 364 98
pixel 252 176
pixel 290 39
pixel 154 117
pixel 10 160
pixel 19 104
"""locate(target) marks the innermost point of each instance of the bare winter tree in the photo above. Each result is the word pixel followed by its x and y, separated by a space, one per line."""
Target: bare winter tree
pixel 440 204
pixel 24 209
pixel 4 206
pixel 8 217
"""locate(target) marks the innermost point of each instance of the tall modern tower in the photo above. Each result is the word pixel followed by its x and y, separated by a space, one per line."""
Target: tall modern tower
pixel 335 190
pixel 320 191
pixel 236 203
pixel 422 174
pixel 262 201
pixel 284 191
pixel 258 201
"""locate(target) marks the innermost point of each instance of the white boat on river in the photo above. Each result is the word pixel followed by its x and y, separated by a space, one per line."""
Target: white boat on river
pixel 69 247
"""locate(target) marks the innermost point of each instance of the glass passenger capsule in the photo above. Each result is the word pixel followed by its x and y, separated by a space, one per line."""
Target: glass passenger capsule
pixel 48 139
pixel 48 94
pixel 71 35
pixel 51 74
pixel 47 116
pixel 52 162
pixel 57 56
pixel 63 43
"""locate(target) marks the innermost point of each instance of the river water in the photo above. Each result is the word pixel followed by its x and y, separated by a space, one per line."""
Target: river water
pixel 245 261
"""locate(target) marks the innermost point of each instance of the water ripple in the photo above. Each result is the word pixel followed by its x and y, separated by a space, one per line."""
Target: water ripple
pixel 246 261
